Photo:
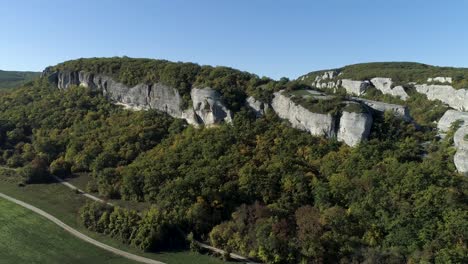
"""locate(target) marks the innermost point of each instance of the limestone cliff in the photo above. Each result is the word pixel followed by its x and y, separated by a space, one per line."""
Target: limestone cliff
pixel 461 143
pixel 354 126
pixel 459 138
pixel 207 108
pixel 398 110
pixel 385 85
pixel 457 99
pixel 316 123
pixel 257 106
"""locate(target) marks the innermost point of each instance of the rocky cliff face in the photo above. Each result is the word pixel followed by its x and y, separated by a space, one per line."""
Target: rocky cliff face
pixel 207 108
pixel 398 110
pixel 354 127
pixel 450 117
pixel 385 86
pixel 301 118
pixel 257 106
pixel 355 87
pixel 457 99
pixel 461 144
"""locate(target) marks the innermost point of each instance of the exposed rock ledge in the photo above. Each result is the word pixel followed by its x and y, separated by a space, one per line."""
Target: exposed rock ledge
pixel 207 108
pixel 398 110
pixel 354 127
pixel 301 118
pixel 457 99
pixel 461 144
pixel 450 117
pixel 385 86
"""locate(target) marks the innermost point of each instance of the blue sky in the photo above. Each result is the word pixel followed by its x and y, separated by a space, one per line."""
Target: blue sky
pixel 271 38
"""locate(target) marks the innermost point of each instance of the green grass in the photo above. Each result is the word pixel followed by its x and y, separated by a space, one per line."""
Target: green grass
pixel 29 238
pixel 64 204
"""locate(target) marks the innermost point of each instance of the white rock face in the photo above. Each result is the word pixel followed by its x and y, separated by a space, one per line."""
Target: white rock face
pixel 354 127
pixel 355 87
pixel 326 75
pixel 259 107
pixel 461 156
pixel 457 99
pixel 301 118
pixel 385 86
pixel 399 110
pixel 445 123
pixel 440 79
pixel 450 117
pixel 207 106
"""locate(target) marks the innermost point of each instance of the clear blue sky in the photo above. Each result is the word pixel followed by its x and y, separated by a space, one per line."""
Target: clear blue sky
pixel 267 37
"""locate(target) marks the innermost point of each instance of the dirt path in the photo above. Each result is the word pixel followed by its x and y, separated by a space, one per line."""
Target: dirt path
pixel 79 234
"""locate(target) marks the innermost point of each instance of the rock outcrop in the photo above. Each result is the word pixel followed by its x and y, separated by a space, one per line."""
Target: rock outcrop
pixel 450 117
pixel 398 110
pixel 257 106
pixel 385 86
pixel 461 143
pixel 301 118
pixel 355 87
pixel 354 127
pixel 440 79
pixel 207 107
pixel 457 99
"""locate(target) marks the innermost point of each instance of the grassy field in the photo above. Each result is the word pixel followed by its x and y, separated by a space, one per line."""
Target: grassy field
pixel 29 238
pixel 64 204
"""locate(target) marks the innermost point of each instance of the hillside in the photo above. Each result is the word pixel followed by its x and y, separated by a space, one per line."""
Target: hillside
pixel 399 72
pixel 11 79
pixel 285 178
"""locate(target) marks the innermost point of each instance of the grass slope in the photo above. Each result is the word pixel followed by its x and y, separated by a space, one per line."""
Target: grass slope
pixel 31 238
pixel 11 79
pixel 64 204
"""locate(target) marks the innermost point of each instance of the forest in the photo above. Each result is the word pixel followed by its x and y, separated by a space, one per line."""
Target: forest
pixel 256 187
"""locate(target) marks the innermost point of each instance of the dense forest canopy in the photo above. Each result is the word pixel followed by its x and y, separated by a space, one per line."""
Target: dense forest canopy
pixel 401 73
pixel 257 186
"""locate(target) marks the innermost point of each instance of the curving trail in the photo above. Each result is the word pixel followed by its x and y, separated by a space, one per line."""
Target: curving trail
pixel 79 234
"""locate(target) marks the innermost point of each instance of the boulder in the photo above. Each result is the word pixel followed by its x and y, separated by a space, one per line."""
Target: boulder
pixel 354 127
pixel 385 86
pixel 457 99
